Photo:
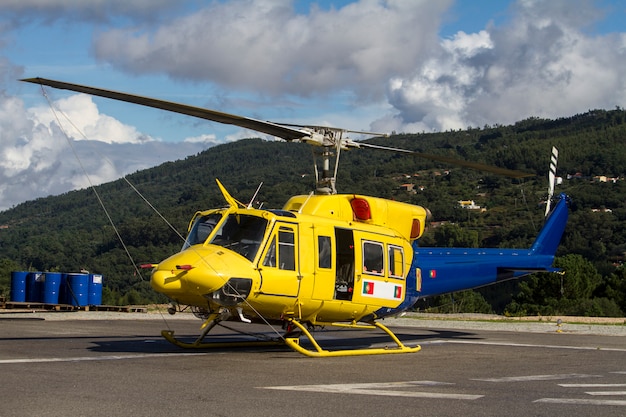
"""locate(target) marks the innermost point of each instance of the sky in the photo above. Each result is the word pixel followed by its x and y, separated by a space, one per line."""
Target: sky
pixel 385 66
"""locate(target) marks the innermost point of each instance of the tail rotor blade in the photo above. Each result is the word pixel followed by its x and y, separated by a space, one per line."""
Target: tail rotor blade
pixel 551 178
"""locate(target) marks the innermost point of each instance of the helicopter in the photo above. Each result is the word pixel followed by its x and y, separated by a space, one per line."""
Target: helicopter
pixel 323 259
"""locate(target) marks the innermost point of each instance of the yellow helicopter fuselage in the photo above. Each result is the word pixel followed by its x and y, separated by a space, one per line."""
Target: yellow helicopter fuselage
pixel 321 259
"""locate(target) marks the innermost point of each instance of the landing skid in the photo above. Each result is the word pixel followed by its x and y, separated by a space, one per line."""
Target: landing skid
pixel 199 344
pixel 293 341
pixel 211 321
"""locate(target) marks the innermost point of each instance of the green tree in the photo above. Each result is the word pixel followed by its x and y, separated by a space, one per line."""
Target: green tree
pixel 451 235
pixel 558 293
pixel 6 267
pixel 616 287
pixel 468 301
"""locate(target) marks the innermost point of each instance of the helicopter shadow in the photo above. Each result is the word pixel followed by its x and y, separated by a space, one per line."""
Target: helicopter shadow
pixel 331 339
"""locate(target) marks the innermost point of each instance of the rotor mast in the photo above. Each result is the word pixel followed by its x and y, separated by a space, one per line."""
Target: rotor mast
pixel 325 184
pixel 332 140
pixel 331 143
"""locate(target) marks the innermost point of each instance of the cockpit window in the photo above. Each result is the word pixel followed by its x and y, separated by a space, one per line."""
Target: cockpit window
pixel 201 229
pixel 241 233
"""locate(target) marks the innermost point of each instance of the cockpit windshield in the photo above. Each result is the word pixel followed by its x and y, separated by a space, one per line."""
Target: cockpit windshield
pixel 201 229
pixel 241 233
pixel 238 232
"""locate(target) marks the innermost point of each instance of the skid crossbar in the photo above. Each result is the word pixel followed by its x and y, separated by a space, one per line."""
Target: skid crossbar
pixel 294 343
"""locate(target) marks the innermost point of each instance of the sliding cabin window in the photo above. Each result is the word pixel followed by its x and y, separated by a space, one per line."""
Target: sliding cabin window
pixel 373 253
pixel 324 251
pixel 396 261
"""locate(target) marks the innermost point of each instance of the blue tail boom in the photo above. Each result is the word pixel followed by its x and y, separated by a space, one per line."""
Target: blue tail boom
pixel 436 271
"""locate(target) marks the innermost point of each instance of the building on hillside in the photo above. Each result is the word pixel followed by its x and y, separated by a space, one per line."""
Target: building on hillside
pixel 469 205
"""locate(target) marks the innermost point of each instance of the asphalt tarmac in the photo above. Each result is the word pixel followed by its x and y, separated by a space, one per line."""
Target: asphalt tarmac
pixel 62 364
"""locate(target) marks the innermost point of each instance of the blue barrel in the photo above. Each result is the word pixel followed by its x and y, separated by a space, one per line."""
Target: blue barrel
pixel 77 289
pixel 18 286
pixel 51 287
pixel 95 289
pixel 63 298
pixel 34 284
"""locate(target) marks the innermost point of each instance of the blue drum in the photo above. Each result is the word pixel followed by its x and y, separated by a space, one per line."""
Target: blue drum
pixel 34 287
pixel 51 287
pixel 18 286
pixel 77 287
pixel 95 289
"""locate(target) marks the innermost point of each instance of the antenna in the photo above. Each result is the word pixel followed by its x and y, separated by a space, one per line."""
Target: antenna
pixel 255 194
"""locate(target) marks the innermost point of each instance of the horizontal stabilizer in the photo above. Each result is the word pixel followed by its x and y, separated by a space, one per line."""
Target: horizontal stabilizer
pixel 505 274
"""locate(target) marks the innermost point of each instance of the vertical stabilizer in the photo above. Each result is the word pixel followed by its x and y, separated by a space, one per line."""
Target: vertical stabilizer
pixel 552 231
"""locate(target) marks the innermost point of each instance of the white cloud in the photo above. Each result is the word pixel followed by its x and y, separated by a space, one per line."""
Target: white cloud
pixel 209 139
pixel 265 46
pixel 37 159
pixel 542 63
pixel 80 119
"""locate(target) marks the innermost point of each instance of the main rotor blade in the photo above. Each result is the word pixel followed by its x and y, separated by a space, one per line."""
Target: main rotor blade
pixel 269 128
pixel 285 131
pixel 318 127
pixel 454 161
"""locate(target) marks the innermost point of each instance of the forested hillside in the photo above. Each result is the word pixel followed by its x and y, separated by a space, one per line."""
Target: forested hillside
pixel 71 232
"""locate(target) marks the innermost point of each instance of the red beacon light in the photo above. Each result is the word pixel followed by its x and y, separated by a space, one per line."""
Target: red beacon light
pixel 416 229
pixel 361 209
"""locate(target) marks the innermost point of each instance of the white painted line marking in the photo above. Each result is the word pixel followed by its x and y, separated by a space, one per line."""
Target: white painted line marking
pixel 581 401
pixel 607 393
pixel 536 378
pixel 388 389
pixel 95 358
pixel 474 342
pixel 592 385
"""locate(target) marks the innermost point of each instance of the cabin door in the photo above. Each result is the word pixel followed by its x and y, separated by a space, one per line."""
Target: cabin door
pixel 280 266
pixel 380 272
pixel 344 279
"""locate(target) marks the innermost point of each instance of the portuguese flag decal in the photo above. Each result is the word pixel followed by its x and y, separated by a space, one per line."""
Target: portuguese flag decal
pixel 385 290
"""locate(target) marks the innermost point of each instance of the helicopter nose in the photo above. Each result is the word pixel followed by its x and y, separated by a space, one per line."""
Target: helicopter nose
pixel 202 274
pixel 166 282
pixel 183 283
pixel 188 275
